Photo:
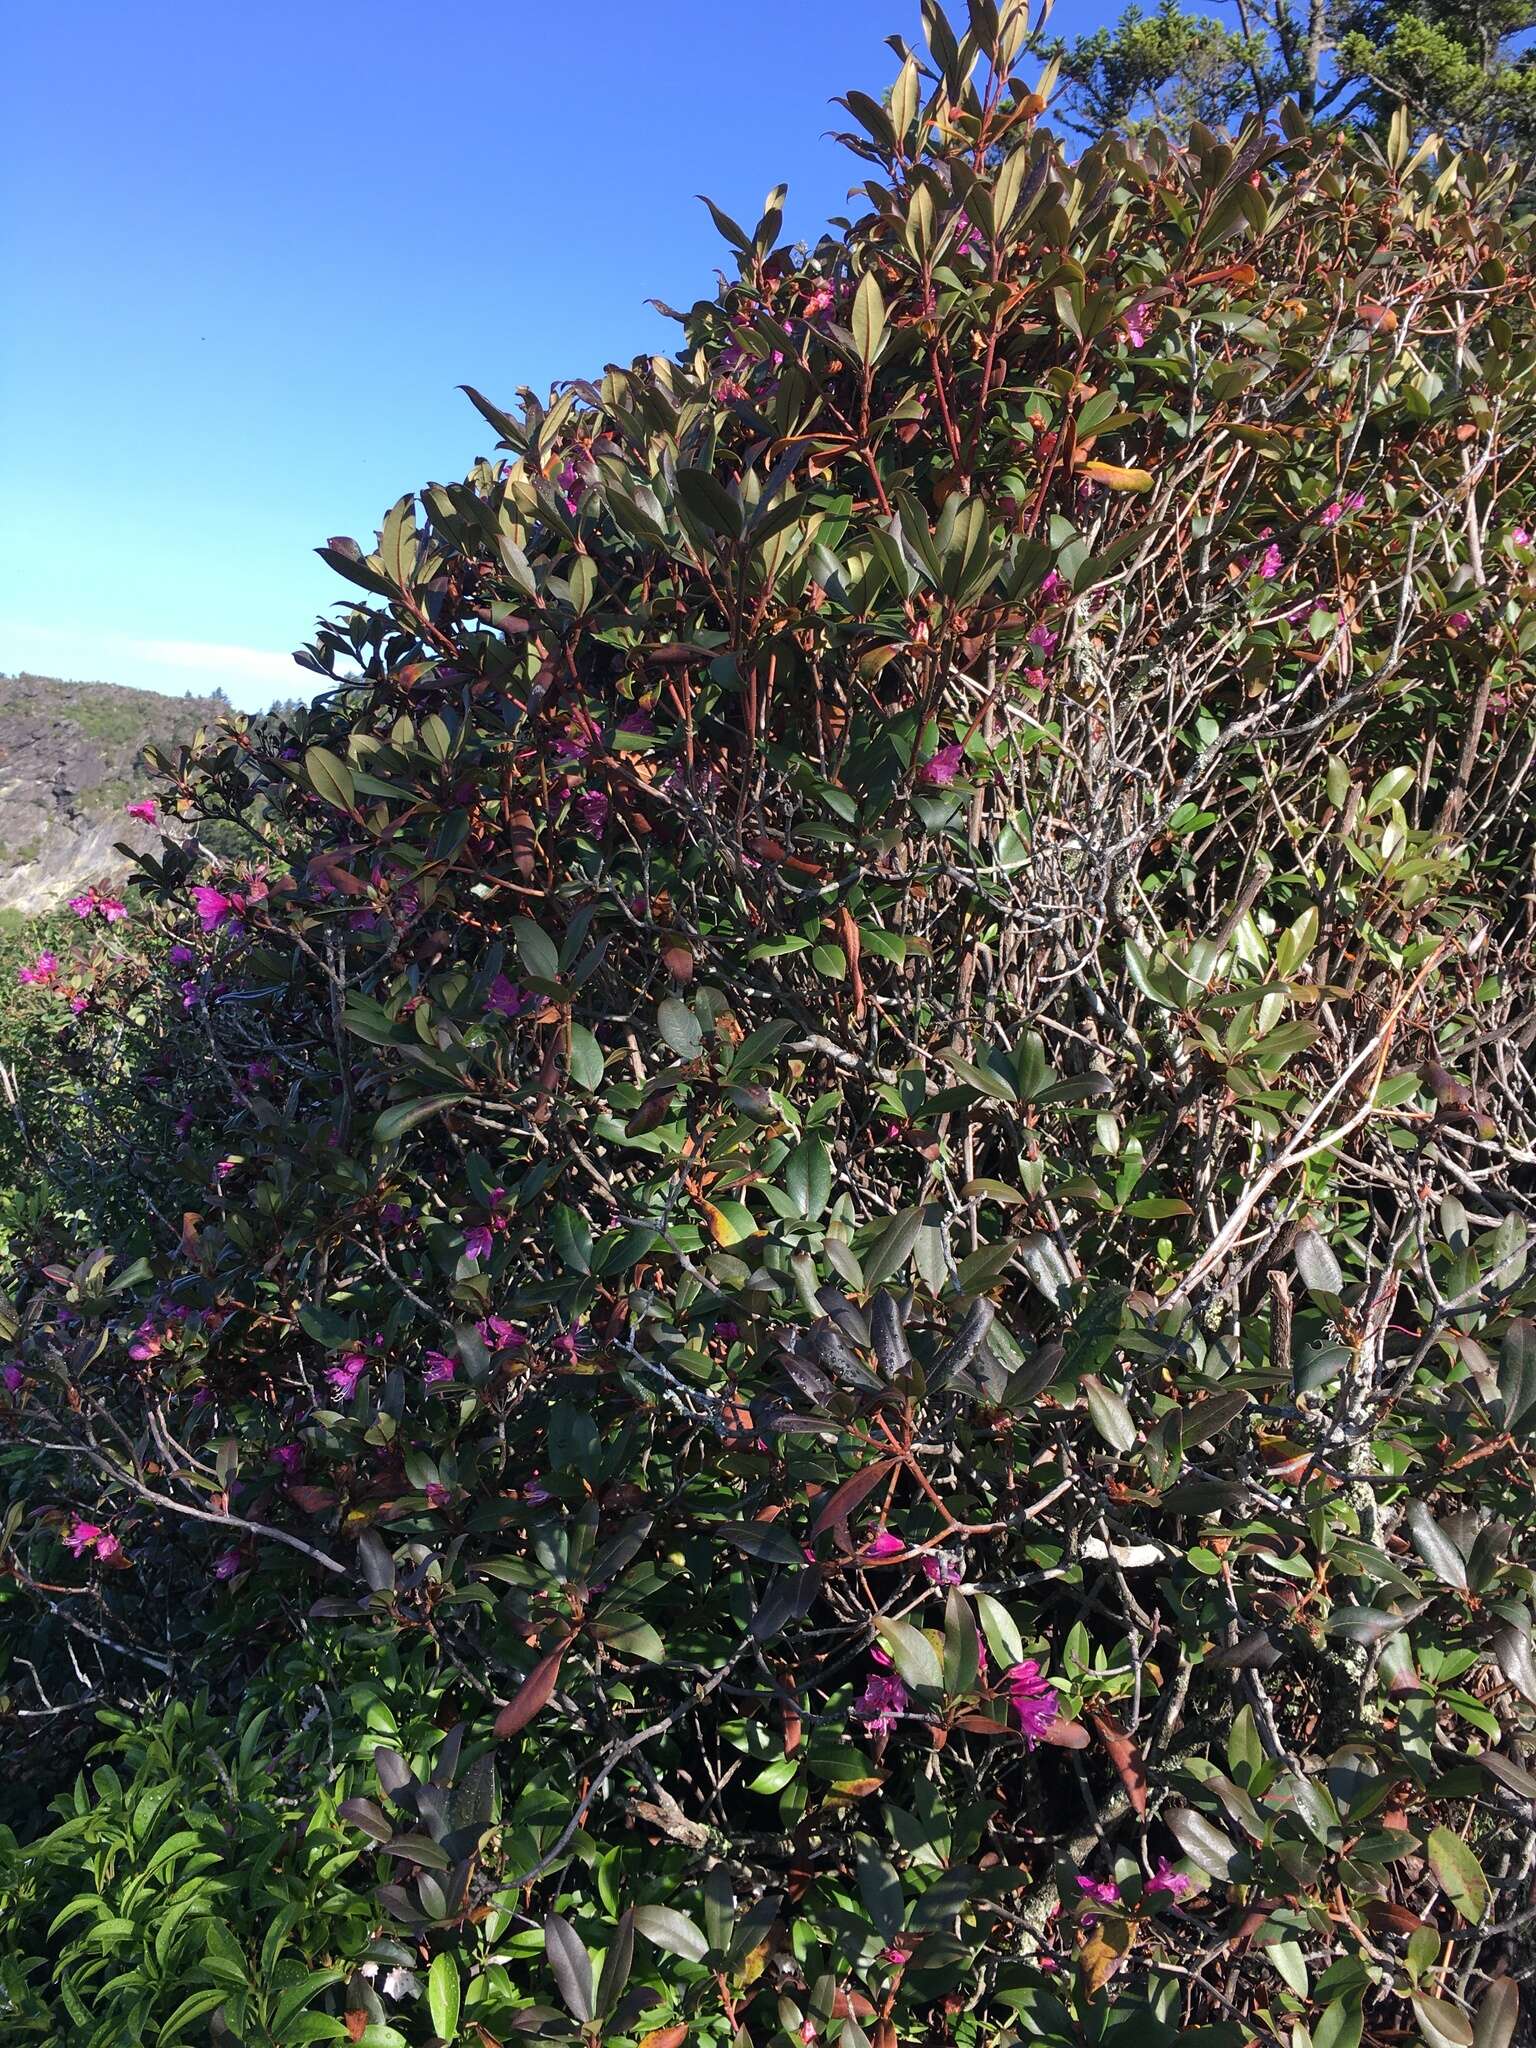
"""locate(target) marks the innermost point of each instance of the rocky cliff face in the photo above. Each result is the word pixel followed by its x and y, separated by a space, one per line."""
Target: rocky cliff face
pixel 70 758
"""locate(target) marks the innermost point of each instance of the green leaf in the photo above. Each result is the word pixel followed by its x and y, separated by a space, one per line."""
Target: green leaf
pixel 672 1931
pixel 916 1660
pixel 808 1177
pixel 880 1889
pixel 679 1028
pixel 892 1249
pixel 330 778
pixel 443 1996
pixel 401 1117
pixel 868 318
pixel 536 949
pixel 1111 1418
pixel 1459 1873
pixel 586 1058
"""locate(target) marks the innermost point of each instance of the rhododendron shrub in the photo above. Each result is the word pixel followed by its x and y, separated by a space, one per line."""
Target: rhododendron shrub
pixel 872 1174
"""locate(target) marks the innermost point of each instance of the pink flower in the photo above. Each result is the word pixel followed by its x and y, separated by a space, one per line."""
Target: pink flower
pixel 497 1334
pixel 1100 1889
pixel 886 1544
pixel 79 1004
pixel 144 810
pixel 940 1569
pixel 592 808
pixel 107 1546
pixel 13 1377
pixel 111 909
pixel 146 1340
pixel 1271 562
pixel 440 1369
pixel 1458 622
pixel 342 1379
pixel 568 1344
pixel 821 301
pixel 941 768
pixel 506 998
pixel 1137 322
pixel 438 1496
pixel 1168 1880
pixel 1521 536
pixel 1033 1700
pixel 41 972
pixel 1053 582
pixel 181 956
pixel 80 1536
pixel 534 1490
pixel 289 1458
pixel 226 1564
pixel 478 1242
pixel 895 1956
pixel 1042 639
pixel 213 906
pixel 1333 514
pixel 82 906
pixel 880 1706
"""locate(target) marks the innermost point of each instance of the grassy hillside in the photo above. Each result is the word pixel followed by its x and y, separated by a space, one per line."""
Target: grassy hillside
pixel 70 758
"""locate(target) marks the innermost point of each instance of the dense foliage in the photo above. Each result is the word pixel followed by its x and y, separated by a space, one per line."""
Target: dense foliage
pixel 1466 68
pixel 835 1341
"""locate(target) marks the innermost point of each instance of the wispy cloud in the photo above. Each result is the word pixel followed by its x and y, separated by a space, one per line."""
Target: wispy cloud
pixel 250 676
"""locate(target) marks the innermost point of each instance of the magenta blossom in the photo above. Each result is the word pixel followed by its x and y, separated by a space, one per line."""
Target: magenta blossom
pixel 1100 1889
pixel 82 1536
pixel 342 1379
pixel 592 809
pixel 895 1956
pixel 941 768
pixel 1458 622
pixel 42 971
pixel 13 1378
pixel 107 1546
pixel 478 1242
pixel 181 956
pixel 1167 1879
pixel 226 1564
pixel 1137 321
pixel 144 810
pixel 438 1496
pixel 1521 536
pixel 886 1544
pixel 882 1703
pixel 1053 582
pixel 536 1491
pixel 1271 562
pixel 497 1334
pixel 1043 639
pixel 82 906
pixel 213 906
pixel 289 1458
pixel 506 999
pixel 940 1569
pixel 1033 1700
pixel 147 1340
pixel 440 1369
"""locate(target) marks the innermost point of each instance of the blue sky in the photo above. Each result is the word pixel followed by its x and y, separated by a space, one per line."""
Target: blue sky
pixel 251 253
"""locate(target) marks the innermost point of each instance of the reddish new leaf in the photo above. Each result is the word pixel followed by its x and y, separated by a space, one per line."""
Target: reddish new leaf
pixel 533 1694
pixel 1124 1755
pixel 842 1500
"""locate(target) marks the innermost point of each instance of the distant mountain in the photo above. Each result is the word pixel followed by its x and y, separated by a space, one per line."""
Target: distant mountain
pixel 70 759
